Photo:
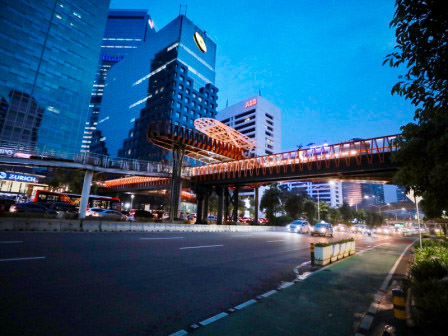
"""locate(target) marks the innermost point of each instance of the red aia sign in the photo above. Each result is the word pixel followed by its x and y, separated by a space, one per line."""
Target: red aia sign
pixel 251 102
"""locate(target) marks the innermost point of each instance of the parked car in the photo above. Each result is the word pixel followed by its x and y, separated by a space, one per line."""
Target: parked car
pixel 7 203
pixel 62 206
pixel 141 214
pixel 112 214
pixel 191 216
pixel 341 228
pixel 322 229
pixel 299 225
pixel 32 207
pixel 93 212
pixel 212 218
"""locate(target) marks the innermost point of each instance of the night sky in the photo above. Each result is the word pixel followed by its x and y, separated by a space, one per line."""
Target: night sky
pixel 320 61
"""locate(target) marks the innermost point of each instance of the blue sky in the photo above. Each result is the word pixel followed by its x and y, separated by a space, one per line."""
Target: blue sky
pixel 320 61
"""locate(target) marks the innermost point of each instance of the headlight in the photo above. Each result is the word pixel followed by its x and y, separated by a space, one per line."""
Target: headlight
pixel 323 230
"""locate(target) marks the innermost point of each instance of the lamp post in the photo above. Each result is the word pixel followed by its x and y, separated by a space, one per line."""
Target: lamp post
pixel 132 199
pixel 380 206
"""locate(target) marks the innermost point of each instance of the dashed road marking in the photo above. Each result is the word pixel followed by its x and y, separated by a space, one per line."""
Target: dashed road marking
pixel 197 247
pixel 179 333
pixel 245 304
pixel 213 319
pixel 274 241
pixel 20 259
pixel 161 238
pixel 265 295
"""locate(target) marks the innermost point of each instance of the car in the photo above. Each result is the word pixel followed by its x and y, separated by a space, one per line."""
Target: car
pixel 62 206
pixel 322 229
pixel 191 216
pixel 299 225
pixel 212 218
pixel 360 228
pixel 93 212
pixel 32 207
pixel 141 214
pixel 341 228
pixel 112 214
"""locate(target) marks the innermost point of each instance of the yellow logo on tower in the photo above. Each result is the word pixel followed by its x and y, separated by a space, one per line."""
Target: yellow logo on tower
pixel 200 42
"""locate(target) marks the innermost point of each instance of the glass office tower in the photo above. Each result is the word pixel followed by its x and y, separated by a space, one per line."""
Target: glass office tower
pixel 49 53
pixel 170 77
pixel 126 29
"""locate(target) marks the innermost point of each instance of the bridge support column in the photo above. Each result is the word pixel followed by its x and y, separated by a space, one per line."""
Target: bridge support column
pixel 200 207
pixel 226 203
pixel 256 200
pixel 220 193
pixel 205 209
pixel 85 194
pixel 176 180
pixel 235 203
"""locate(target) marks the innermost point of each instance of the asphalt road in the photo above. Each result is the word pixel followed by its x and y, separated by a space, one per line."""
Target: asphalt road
pixel 138 283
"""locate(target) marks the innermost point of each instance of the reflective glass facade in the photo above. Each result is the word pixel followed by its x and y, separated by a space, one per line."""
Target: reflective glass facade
pixel 167 78
pixel 49 53
pixel 126 29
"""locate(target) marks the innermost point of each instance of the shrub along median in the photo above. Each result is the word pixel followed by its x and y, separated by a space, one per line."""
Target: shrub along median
pixel 428 282
pixel 324 253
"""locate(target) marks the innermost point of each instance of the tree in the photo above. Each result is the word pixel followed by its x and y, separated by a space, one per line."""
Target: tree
pixel 324 209
pixel 334 215
pixel 422 47
pixel 310 209
pixel 346 213
pixel 270 202
pixel 294 205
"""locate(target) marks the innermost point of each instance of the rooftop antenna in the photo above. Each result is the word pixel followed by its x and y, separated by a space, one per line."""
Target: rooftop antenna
pixel 259 92
pixel 180 9
pixel 227 103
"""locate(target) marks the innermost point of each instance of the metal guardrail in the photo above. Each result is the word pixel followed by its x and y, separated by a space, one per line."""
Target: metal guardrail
pixel 319 156
pixel 17 150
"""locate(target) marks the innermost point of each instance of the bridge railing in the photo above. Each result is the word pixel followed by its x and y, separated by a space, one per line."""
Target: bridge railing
pixel 342 151
pixel 17 150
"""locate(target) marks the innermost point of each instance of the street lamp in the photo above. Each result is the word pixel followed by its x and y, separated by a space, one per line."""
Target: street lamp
pixel 380 206
pixel 132 199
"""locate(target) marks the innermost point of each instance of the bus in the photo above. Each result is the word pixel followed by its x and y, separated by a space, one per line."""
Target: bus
pixel 95 201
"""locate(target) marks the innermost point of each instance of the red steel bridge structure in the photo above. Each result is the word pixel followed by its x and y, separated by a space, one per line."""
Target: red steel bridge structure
pixel 227 168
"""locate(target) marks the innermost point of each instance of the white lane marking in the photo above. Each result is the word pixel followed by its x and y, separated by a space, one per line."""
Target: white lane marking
pixel 285 285
pixel 11 241
pixel 18 259
pixel 265 295
pixel 179 333
pixel 245 304
pixel 297 249
pixel 274 241
pixel 392 270
pixel 213 319
pixel 161 238
pixel 196 247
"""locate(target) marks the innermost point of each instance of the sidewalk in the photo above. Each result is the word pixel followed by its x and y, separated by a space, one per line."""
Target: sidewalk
pixel 330 302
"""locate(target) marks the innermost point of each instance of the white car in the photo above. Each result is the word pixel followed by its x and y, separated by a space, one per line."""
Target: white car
pixel 300 226
pixel 94 212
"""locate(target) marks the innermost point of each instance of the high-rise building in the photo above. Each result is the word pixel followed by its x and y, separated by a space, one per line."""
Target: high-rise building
pixel 168 78
pixel 126 29
pixel 329 192
pixel 372 194
pixel 352 193
pixel 258 119
pixel 49 55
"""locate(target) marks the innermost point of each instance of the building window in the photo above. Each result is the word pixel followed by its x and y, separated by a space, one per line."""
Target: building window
pixel 189 82
pixel 185 109
pixel 269 116
pixel 181 78
pixel 179 96
pixel 179 106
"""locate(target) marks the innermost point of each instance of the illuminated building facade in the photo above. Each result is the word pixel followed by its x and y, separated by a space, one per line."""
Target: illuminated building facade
pixel 126 29
pixel 49 55
pixel 258 119
pixel 168 78
pixel 328 192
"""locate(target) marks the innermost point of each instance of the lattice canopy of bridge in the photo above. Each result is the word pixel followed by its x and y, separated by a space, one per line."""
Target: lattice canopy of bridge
pixel 197 145
pixel 368 159
pixel 220 131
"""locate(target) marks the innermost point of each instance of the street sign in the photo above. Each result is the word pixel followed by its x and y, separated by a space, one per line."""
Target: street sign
pixel 414 198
